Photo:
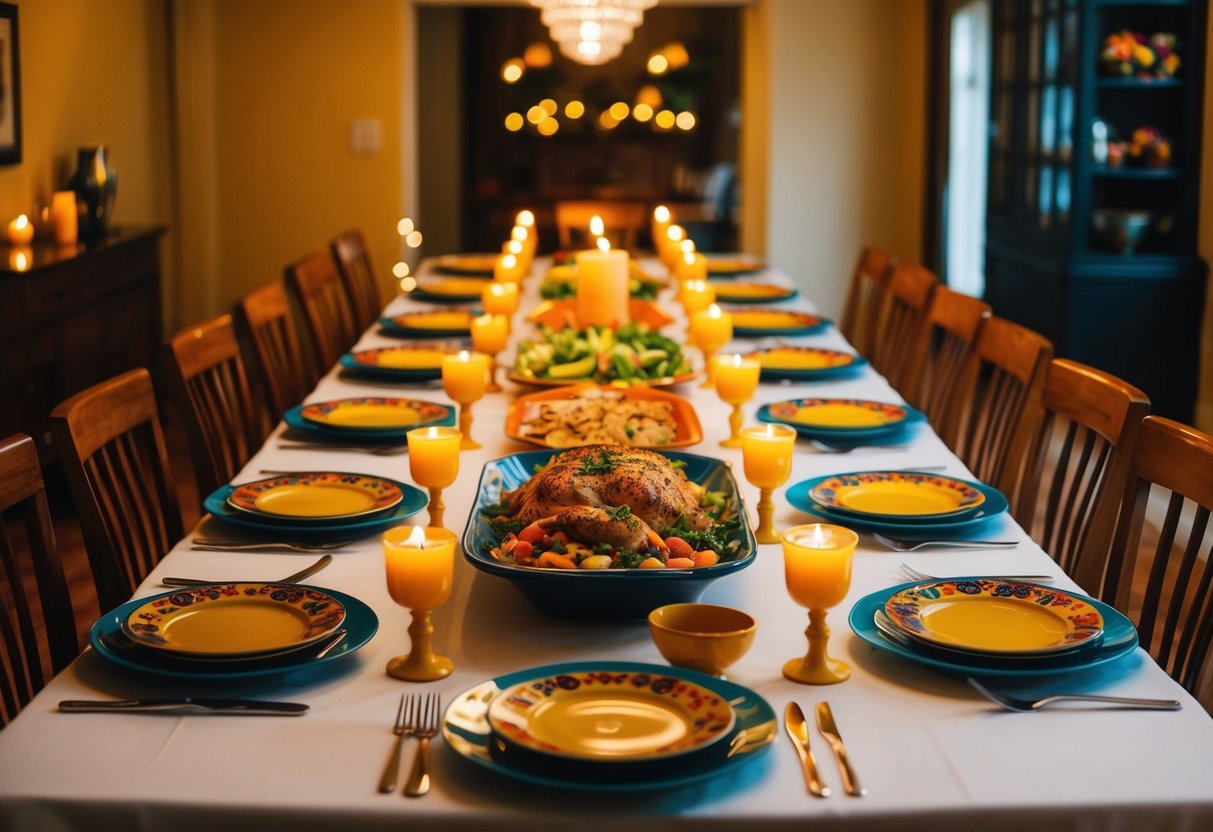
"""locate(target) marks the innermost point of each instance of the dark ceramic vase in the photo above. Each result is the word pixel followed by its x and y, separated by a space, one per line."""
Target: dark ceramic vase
pixel 96 187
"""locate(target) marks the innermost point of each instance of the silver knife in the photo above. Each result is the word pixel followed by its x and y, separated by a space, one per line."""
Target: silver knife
pixel 829 730
pixel 187 704
pixel 794 724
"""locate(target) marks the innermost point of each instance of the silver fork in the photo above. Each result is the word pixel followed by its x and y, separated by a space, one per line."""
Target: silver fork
pixel 293 578
pixel 405 724
pixel 1012 703
pixel 915 575
pixel 419 778
pixel 845 448
pixel 913 545
pixel 207 545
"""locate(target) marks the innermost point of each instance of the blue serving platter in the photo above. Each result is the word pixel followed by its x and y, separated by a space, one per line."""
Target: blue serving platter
pixel 1118 640
pixel 466 729
pixel 414 500
pixel 111 643
pixel 627 594
pixel 294 419
pixel 994 507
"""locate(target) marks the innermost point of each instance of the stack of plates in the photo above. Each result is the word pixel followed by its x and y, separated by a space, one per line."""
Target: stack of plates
pixel 993 627
pixel 430 323
pixel 316 504
pixel 845 421
pixel 367 418
pixel 905 503
pixel 609 726
pixel 762 323
pixel 409 363
pixel 233 631
pixel 807 364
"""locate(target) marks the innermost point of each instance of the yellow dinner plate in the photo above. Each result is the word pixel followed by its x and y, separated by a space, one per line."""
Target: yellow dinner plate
pixel 322 495
pixel 372 412
pixel 838 413
pixel 984 615
pixel 898 494
pixel 454 287
pixel 755 321
pixel 729 292
pixel 235 619
pixel 403 358
pixel 735 264
pixel 455 319
pixel 803 358
pixel 481 262
pixel 610 717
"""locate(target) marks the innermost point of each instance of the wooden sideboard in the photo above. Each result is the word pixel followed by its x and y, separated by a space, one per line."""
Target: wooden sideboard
pixel 71 318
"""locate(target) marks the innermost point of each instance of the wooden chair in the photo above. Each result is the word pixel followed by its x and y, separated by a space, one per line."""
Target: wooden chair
pixel 903 307
pixel 622 220
pixel 112 452
pixel 264 318
pixel 1167 589
pixel 207 380
pixel 940 349
pixel 1080 464
pixel 997 405
pixel 317 287
pixel 27 546
pixel 358 275
pixel 871 274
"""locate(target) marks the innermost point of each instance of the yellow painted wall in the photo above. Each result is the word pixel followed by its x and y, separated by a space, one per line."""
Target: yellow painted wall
pixel 846 136
pixel 290 76
pixel 93 73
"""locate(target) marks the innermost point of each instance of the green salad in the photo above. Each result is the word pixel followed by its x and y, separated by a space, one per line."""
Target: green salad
pixel 632 354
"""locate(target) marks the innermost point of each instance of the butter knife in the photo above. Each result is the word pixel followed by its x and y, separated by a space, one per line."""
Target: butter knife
pixel 829 730
pixel 201 705
pixel 794 724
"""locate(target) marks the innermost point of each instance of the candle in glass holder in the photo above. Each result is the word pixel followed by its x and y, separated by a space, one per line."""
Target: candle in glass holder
pixel 64 217
pixel 506 269
pixel 766 452
pixel 710 329
pixel 420 566
pixel 736 379
pixel 465 378
pixel 20 231
pixel 434 463
pixel 499 298
pixel 674 235
pixel 697 295
pixel 529 239
pixel 661 221
pixel 691 265
pixel 602 287
pixel 817 568
pixel 489 335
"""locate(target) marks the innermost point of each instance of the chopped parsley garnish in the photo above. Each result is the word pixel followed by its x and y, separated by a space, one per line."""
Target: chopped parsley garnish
pixel 715 538
pixel 603 464
pixel 623 513
pixel 602 548
pixel 628 558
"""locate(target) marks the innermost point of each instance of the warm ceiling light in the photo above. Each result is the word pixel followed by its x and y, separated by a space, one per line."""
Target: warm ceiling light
pixel 592 31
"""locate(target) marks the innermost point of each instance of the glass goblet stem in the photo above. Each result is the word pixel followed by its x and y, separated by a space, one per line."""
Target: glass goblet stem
pixel 420 665
pixel 465 427
pixel 708 381
pixel 735 420
pixel 436 508
pixel 766 533
pixel 493 387
pixel 817 668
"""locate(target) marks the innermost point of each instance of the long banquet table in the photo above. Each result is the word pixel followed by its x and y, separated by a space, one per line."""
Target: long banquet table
pixel 931 753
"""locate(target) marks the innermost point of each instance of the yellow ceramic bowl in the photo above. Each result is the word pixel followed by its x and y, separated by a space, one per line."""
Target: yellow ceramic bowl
pixel 703 637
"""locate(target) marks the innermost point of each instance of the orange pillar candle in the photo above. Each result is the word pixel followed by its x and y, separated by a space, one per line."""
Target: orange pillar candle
pixel 506 269
pixel 64 217
pixel 602 287
pixel 434 463
pixel 499 298
pixel 817 562
pixel 420 566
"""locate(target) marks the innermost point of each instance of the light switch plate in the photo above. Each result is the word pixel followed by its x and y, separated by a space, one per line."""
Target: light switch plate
pixel 364 136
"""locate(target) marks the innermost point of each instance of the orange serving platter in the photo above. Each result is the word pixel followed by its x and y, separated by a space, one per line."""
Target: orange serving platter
pixel 686 423
pixel 559 314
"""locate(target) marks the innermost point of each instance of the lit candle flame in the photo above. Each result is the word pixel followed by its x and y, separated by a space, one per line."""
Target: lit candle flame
pixel 519 233
pixel 509 261
pixel 603 244
pixel 525 218
pixel 514 247
pixel 688 247
pixel 661 213
pixel 465 356
pixel 416 539
pixel 714 311
pixel 22 222
pixel 818 539
pixel 597 226
pixel 675 233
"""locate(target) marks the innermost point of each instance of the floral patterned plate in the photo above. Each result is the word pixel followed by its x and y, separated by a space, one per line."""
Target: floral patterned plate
pixel 466 729
pixel 898 494
pixel 760 323
pixel 730 292
pixel 318 495
pixel 430 323
pixel 449 289
pixel 838 414
pixel 806 363
pixel 234 619
pixel 412 362
pixel 609 716
pixel 982 615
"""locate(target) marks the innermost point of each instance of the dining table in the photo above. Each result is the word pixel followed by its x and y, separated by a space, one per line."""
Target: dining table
pixel 931 752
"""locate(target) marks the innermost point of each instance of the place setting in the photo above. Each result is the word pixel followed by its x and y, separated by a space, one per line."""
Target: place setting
pixel 430 323
pixel 371 421
pixel 839 425
pixel 413 363
pixel 802 364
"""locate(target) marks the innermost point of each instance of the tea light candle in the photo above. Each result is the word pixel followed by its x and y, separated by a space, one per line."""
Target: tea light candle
pixel 602 287
pixel 506 269
pixel 767 454
pixel 465 375
pixel 697 295
pixel 20 258
pixel 420 566
pixel 525 218
pixel 64 217
pixel 817 563
pixel 736 377
pixel 20 231
pixel 661 222
pixel 528 238
pixel 489 333
pixel 499 298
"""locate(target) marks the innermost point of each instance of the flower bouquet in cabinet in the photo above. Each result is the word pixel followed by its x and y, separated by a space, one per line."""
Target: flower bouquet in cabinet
pixel 1132 53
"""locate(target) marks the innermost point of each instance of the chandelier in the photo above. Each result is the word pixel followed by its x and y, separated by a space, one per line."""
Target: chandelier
pixel 592 31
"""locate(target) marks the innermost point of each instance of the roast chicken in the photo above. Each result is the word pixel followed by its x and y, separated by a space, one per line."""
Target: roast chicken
pixel 582 492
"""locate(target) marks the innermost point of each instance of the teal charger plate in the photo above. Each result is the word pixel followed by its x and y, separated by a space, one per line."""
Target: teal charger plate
pixel 895 432
pixel 995 506
pixel 295 420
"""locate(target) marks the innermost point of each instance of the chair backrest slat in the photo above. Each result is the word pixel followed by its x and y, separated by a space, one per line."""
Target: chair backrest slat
pixel 858 320
pixel 903 307
pixel 317 287
pixel 358 274
pixel 264 315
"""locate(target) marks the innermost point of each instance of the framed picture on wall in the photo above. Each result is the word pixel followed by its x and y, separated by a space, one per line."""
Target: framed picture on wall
pixel 10 87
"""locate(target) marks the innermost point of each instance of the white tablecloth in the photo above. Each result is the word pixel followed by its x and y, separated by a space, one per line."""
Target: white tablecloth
pixel 929 750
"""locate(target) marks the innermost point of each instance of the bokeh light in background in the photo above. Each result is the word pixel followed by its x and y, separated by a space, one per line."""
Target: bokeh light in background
pixel 685 120
pixel 548 105
pixel 658 65
pixel 538 55
pixel 607 121
pixel 619 110
pixel 574 109
pixel 548 126
pixel 405 226
pixel 413 240
pixel 649 95
pixel 642 112
pixel 676 55
pixel 514 122
pixel 511 70
pixel 401 269
pixel 536 114
pixel 665 119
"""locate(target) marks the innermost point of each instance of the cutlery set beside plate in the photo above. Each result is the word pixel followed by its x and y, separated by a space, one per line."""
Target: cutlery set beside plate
pixel 616 727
